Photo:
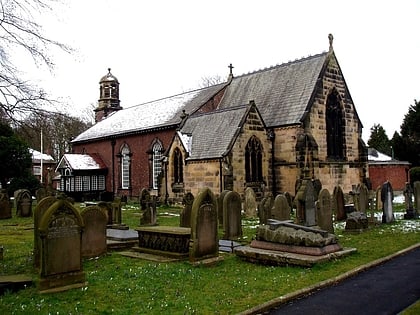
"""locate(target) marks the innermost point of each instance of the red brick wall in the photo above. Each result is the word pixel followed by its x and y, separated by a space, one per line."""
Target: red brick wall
pixel 139 146
pixel 396 174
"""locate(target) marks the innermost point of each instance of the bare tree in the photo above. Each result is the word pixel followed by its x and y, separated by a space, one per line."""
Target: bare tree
pixel 210 80
pixel 20 32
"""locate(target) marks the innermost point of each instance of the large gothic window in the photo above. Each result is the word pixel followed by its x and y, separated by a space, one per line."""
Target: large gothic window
pixel 178 167
pixel 157 150
pixel 125 167
pixel 335 126
pixel 253 160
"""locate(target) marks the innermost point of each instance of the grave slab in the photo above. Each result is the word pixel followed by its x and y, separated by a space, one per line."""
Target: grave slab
pixel 14 283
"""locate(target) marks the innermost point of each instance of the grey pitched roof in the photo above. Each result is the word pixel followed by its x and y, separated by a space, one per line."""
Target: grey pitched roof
pixel 282 93
pixel 209 135
pixel 156 114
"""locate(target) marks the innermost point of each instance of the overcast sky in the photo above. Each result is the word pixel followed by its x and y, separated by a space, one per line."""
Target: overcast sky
pixel 161 48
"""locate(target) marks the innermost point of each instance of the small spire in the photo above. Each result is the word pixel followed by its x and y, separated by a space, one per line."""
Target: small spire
pixel 230 72
pixel 331 39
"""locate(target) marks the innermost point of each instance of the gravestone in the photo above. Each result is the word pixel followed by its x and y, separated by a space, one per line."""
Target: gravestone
pixel 106 206
pixel 378 204
pixel 281 208
pixel 264 208
pixel 149 214
pixel 220 206
pixel 204 242
pixel 144 198
pixel 363 198
pixel 250 204
pixel 387 196
pixel 116 211
pixel 42 206
pixel 324 211
pixel 5 207
pixel 24 203
pixel 40 194
pixel 95 220
pixel 306 204
pixel 60 231
pixel 232 223
pixel 338 204
pixel 408 198
pixel 185 217
pixel 416 191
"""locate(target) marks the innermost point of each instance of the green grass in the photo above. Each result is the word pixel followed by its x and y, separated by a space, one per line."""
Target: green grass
pixel 122 285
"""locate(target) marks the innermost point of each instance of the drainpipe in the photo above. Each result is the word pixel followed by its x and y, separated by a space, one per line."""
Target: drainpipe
pixel 220 175
pixel 272 137
pixel 112 166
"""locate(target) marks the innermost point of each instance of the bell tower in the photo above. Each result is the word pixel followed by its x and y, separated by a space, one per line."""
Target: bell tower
pixel 109 96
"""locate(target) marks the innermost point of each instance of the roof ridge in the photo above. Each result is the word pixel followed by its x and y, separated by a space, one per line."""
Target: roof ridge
pixel 219 110
pixel 285 64
pixel 179 94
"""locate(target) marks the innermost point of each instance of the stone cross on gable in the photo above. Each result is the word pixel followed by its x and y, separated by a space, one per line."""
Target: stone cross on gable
pixel 230 71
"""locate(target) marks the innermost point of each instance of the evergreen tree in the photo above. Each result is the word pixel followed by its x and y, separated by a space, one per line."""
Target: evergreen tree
pixel 379 140
pixel 15 159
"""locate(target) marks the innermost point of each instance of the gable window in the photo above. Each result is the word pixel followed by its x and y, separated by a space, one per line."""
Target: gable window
pixel 157 150
pixel 335 127
pixel 178 167
pixel 125 167
pixel 253 160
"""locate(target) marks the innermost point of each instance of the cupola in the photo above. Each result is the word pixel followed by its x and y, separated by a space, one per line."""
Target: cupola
pixel 109 96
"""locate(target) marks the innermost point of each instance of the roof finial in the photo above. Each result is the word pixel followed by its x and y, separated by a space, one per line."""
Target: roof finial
pixel 109 70
pixel 331 39
pixel 230 72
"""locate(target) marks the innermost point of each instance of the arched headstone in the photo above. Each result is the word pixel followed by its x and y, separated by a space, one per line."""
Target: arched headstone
pixel 185 217
pixel 232 222
pixel 95 220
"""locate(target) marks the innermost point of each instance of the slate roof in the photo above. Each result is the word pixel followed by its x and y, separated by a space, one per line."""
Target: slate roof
pixel 161 113
pixel 282 93
pixel 38 156
pixel 210 135
pixel 81 162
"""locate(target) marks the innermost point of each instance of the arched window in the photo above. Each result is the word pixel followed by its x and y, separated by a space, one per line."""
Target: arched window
pixel 125 167
pixel 253 160
pixel 335 126
pixel 178 167
pixel 157 150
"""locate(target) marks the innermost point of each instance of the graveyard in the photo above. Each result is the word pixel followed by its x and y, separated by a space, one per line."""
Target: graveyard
pixel 109 282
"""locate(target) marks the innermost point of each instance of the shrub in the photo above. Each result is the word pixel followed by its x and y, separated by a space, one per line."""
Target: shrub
pixel 414 174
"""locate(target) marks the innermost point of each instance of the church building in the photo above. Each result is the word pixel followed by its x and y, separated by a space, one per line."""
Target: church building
pixel 267 130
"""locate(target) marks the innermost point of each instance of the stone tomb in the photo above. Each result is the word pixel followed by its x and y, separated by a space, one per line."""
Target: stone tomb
pixel 204 245
pixel 60 231
pixel 5 207
pixel 286 243
pixel 232 223
pixel 95 221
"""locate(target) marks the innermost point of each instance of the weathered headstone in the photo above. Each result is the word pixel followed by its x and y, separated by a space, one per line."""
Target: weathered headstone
pixel 5 207
pixel 40 194
pixel 363 198
pixel 95 220
pixel 149 214
pixel 281 208
pixel 106 206
pixel 324 212
pixel 220 206
pixel 264 208
pixel 185 217
pixel 24 203
pixel 116 211
pixel 250 204
pixel 416 191
pixel 145 198
pixel 60 230
pixel 40 209
pixel 232 223
pixel 408 198
pixel 204 241
pixel 306 204
pixel 338 204
pixel 387 196
pixel 378 204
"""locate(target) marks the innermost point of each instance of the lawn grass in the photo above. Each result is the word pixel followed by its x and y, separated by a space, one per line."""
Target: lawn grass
pixel 122 285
